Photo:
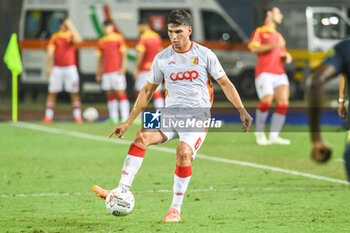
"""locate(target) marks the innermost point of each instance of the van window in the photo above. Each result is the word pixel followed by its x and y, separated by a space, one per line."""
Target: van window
pixel 157 20
pixel 330 26
pixel 42 24
pixel 217 29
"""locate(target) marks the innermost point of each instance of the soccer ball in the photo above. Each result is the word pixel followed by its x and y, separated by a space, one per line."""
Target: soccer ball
pixel 90 114
pixel 120 201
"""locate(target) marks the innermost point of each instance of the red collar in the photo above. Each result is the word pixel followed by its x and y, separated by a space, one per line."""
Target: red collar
pixel 183 51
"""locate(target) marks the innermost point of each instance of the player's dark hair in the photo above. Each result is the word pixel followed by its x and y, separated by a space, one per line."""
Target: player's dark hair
pixel 62 20
pixel 267 9
pixel 108 22
pixel 180 17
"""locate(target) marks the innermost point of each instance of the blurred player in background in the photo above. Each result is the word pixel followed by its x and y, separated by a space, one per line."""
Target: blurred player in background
pixel 64 73
pixel 186 67
pixel 271 81
pixel 147 47
pixel 337 62
pixel 111 69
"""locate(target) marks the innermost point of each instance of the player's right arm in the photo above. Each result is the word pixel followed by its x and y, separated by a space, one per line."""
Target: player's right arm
pixel 141 102
pixel 50 54
pixel 99 53
pixel 99 67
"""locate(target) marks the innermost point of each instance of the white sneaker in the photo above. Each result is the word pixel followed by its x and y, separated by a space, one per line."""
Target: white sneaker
pixel 279 140
pixel 260 138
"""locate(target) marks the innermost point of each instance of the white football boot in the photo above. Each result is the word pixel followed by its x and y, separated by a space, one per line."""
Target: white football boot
pixel 278 140
pixel 261 139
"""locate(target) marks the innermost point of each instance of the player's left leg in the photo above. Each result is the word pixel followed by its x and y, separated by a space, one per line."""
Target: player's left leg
pixel 190 142
pixel 182 177
pixel 279 116
pixel 50 107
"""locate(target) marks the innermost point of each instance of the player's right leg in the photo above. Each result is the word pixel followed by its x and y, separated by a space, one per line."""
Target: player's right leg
pixel 265 93
pixel 134 158
pixel 76 104
pixel 112 105
pixel 119 87
pixel 55 86
pixel 50 107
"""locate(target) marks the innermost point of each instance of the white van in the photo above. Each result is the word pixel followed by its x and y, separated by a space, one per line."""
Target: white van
pixel 311 28
pixel 211 26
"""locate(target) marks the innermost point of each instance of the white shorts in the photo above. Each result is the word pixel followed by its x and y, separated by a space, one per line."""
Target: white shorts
pixel 193 139
pixel 64 76
pixel 113 81
pixel 266 83
pixel 142 79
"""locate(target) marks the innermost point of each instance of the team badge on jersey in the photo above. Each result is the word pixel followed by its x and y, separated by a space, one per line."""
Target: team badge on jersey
pixel 151 120
pixel 194 61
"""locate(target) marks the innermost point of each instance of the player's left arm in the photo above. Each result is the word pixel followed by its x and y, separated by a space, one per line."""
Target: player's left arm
pixel 320 150
pixel 342 95
pixel 76 35
pixel 124 56
pixel 233 96
pixel 286 56
pixel 141 49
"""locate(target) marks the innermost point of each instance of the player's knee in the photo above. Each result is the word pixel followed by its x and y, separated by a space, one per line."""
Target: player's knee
pixel 183 155
pixel 267 100
pixel 141 139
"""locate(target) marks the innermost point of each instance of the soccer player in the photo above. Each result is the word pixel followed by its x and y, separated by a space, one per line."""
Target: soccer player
pixel 185 67
pixel 111 69
pixel 148 45
pixel 64 73
pixel 337 62
pixel 271 81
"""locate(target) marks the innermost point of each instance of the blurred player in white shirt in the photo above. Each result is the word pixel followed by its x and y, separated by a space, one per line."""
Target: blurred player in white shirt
pixel 185 67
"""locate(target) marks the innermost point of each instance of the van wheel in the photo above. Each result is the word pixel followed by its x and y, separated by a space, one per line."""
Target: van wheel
pixel 246 84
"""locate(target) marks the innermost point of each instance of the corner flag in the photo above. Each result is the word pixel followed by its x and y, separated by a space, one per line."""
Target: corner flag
pixel 12 59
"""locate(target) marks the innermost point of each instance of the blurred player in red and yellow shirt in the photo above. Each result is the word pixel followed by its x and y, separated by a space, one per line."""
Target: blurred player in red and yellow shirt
pixel 64 73
pixel 148 45
pixel 271 81
pixel 111 69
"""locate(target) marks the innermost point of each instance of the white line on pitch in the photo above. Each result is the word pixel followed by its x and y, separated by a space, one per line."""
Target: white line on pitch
pixel 210 189
pixel 170 150
pixel 339 160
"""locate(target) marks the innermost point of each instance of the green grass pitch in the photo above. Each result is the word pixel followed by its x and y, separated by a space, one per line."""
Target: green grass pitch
pixel 55 171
